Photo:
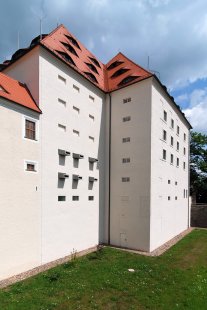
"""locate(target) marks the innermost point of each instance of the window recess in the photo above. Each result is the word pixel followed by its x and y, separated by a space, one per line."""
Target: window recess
pixel 63 152
pixel 62 175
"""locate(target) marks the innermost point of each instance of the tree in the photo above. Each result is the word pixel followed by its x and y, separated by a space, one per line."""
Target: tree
pixel 198 166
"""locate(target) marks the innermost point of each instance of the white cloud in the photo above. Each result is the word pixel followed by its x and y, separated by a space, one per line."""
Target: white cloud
pixel 197 111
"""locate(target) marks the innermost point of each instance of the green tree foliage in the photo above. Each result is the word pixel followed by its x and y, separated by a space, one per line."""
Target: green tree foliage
pixel 198 166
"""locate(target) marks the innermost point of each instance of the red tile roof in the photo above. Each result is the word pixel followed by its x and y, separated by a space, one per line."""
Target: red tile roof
pixel 16 92
pixel 70 50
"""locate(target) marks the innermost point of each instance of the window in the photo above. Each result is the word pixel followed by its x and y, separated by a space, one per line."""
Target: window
pixel 75 198
pixel 178 130
pixel 62 79
pixel 184 165
pixel 30 129
pixel 62 127
pixel 177 162
pixel 168 197
pixel 91 98
pixel 77 110
pixel 126 118
pixel 90 198
pixel 62 102
pixel 30 166
pixel 178 146
pixel 125 179
pixel 171 159
pixel 76 88
pixel 184 136
pixel 91 138
pixel 176 183
pixel 184 151
pixel 168 182
pixel 176 198
pixel 127 100
pixel 164 135
pixel 164 154
pixel 91 117
pixel 165 116
pixel 171 141
pixel 125 160
pixel 61 198
pixel 127 139
pixel 172 123
pixel 76 132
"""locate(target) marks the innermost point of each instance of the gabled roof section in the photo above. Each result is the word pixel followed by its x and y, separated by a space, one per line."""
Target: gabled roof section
pixel 16 92
pixel 70 50
pixel 121 72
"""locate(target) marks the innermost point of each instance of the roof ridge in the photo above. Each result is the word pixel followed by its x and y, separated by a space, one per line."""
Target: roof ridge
pixel 135 63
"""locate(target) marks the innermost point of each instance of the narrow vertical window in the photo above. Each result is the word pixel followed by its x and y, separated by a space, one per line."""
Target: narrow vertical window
pixel 171 159
pixel 171 141
pixel 164 154
pixel 172 123
pixel 177 162
pixel 165 116
pixel 164 135
pixel 30 130
pixel 178 130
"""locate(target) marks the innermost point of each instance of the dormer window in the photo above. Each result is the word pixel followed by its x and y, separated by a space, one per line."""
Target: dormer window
pixel 119 72
pixel 92 67
pixel 91 77
pixel 114 64
pixel 73 41
pixel 95 61
pixel 3 89
pixel 127 80
pixel 70 48
pixel 66 57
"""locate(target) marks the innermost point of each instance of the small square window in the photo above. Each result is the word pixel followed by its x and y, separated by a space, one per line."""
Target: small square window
pixel 76 132
pixel 168 197
pixel 62 127
pixel 77 110
pixel 176 183
pixel 91 138
pixel 164 154
pixel 127 100
pixel 75 198
pixel 90 198
pixel 61 198
pixel 165 116
pixel 30 129
pixel 30 166
pixel 125 140
pixel 176 198
pixel 125 160
pixel 91 98
pixel 126 118
pixel 76 88
pixel 125 179
pixel 62 102
pixel 62 79
pixel 91 117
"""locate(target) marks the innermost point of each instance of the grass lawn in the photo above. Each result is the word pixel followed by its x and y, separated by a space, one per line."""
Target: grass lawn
pixel 175 280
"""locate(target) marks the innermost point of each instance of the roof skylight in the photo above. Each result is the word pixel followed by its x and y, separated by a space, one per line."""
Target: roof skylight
pixel 95 61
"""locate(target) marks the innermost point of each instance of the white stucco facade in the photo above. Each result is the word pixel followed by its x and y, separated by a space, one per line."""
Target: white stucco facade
pixel 120 191
pixel 20 214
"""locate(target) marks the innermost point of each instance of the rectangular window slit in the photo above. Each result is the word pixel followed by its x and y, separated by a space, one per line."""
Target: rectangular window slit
pixel 62 79
pixel 61 198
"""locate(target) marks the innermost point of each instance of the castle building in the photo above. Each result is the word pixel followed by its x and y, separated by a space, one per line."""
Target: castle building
pixel 90 154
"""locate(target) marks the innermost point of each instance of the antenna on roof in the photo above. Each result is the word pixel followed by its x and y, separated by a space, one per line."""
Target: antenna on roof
pixel 18 40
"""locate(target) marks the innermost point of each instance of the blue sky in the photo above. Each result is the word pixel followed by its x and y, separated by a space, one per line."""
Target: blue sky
pixel 173 33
